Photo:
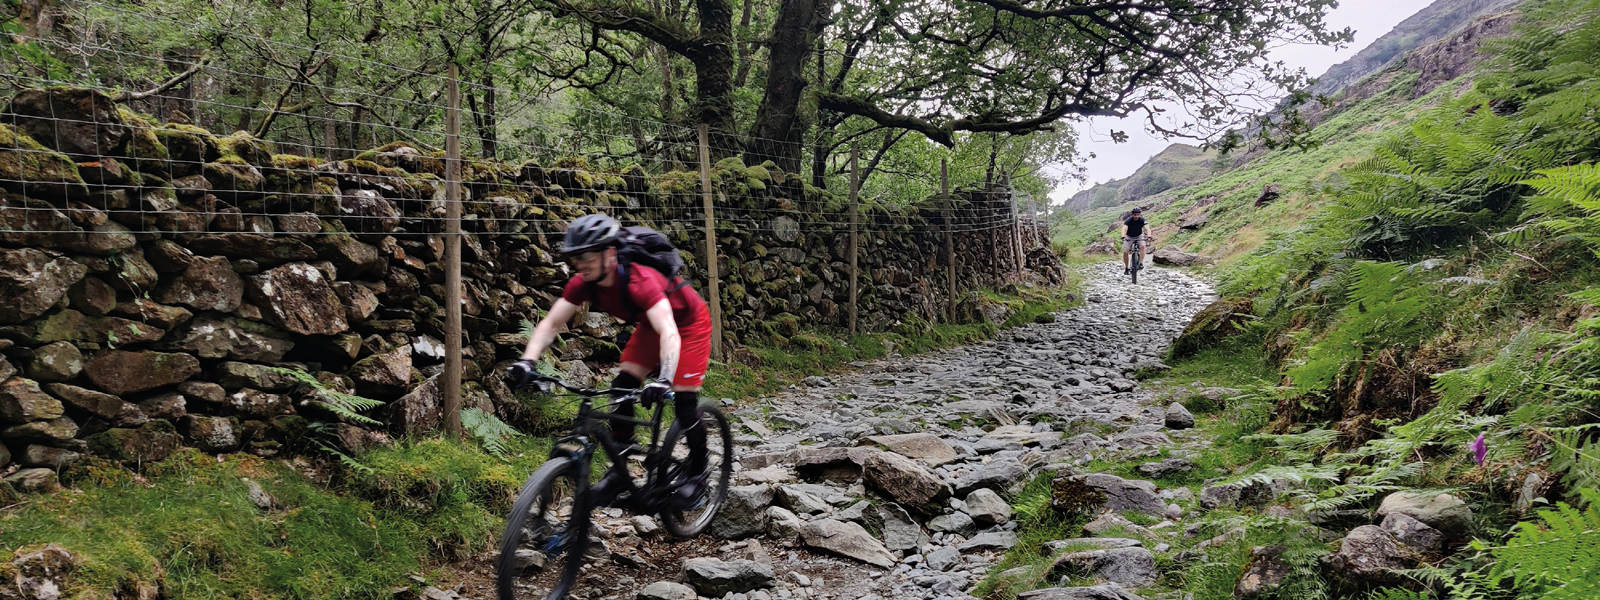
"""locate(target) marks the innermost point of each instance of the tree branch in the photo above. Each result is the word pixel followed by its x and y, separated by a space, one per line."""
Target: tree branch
pixel 126 96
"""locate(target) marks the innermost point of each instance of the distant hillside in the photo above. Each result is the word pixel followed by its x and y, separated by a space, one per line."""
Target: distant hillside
pixel 1430 24
pixel 1180 165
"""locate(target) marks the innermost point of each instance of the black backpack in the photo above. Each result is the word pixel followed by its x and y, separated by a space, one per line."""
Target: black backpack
pixel 651 248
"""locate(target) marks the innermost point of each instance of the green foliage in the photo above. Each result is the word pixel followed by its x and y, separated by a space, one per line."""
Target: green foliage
pixel 1214 576
pixel 1037 525
pixel 489 430
pixel 1383 307
pixel 345 406
pixel 190 523
pixel 1556 559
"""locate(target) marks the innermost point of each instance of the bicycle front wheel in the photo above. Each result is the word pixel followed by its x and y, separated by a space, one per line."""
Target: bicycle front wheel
pixel 546 535
pixel 1138 263
pixel 690 521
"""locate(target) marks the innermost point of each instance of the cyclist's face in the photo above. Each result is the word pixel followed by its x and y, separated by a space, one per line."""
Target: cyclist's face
pixel 591 265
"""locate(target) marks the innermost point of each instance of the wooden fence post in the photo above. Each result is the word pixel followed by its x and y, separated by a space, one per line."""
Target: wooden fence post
pixel 715 289
pixel 1016 227
pixel 855 190
pixel 451 389
pixel 949 237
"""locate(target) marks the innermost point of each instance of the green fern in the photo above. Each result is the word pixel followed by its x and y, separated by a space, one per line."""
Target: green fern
pixel 326 431
pixel 1558 559
pixel 1576 454
pixel 489 430
pixel 1398 594
pixel 346 406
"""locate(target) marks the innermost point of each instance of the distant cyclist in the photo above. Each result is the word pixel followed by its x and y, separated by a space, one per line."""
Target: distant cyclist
pixel 1133 235
pixel 673 336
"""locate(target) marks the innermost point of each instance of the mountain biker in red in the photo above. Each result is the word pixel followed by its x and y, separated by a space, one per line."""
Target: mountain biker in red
pixel 1133 233
pixel 673 337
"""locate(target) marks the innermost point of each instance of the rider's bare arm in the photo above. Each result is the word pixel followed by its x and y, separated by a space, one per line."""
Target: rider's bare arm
pixel 553 323
pixel 661 320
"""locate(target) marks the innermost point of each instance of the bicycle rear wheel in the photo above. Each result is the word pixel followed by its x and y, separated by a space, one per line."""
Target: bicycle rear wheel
pixel 719 466
pixel 546 535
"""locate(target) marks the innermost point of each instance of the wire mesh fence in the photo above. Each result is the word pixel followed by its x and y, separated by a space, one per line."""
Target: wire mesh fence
pixel 110 138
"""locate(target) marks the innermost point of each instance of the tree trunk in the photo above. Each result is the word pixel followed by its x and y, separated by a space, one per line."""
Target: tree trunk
pixel 746 48
pixel 775 136
pixel 487 120
pixel 248 113
pixel 355 130
pixel 819 152
pixel 330 128
pixel 669 86
pixel 713 67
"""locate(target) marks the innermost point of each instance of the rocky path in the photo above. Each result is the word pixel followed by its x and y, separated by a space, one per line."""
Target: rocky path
pixel 888 482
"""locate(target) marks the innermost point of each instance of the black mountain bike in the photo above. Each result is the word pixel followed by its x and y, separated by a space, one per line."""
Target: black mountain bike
pixel 1137 258
pixel 547 535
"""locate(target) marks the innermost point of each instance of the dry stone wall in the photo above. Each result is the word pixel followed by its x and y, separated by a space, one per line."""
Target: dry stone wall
pixel 159 277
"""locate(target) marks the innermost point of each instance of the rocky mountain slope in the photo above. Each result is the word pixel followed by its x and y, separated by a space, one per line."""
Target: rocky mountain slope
pixel 1458 22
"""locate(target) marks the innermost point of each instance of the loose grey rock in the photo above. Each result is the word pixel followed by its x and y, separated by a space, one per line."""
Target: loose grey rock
pixel 715 577
pixel 847 539
pixel 1368 553
pixel 48 457
pixel 1235 495
pixel 34 481
pixel 1444 512
pixel 1412 532
pixel 986 508
pixel 782 524
pixel 1178 417
pixel 1263 575
pixel 1130 566
pixel 1093 544
pixel 994 540
pixel 1003 475
pixel 60 361
pixel 959 523
pixel 744 514
pixel 797 499
pixel 942 559
pixel 667 590
pixel 900 532
pixel 1125 495
pixel 1098 592
pixel 1171 466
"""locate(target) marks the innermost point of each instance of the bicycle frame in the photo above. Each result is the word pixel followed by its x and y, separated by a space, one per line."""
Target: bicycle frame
pixel 588 436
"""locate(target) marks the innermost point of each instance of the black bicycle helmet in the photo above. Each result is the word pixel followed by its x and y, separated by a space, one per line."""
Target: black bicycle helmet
pixel 589 233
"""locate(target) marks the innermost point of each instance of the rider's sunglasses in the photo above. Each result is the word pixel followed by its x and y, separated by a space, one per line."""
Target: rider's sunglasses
pixel 583 258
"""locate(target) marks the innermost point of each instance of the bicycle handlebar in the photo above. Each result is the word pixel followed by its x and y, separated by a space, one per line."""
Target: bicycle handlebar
pixel 583 391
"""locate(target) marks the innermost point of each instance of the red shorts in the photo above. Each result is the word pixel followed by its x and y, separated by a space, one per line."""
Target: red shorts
pixel 694 351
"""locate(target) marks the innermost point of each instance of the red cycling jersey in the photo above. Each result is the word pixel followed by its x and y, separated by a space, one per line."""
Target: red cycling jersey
pixel 645 288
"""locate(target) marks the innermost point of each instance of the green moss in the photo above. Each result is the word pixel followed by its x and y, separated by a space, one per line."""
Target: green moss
pixel 730 164
pixel 27 160
pixel 247 148
pixel 144 147
pixel 293 162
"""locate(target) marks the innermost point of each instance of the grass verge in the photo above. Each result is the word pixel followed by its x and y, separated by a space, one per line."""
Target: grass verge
pixel 188 525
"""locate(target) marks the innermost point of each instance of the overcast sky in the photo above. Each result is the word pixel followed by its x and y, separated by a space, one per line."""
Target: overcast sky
pixel 1369 18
